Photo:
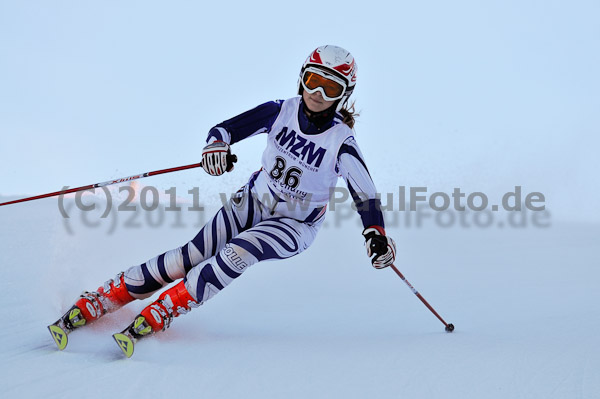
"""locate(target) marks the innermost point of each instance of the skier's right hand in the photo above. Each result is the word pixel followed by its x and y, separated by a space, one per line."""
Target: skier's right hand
pixel 217 158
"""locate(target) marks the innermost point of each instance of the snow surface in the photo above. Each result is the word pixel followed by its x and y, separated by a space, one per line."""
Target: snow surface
pixel 324 324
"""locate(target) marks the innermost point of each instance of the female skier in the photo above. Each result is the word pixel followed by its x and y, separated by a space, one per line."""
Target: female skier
pixel 276 215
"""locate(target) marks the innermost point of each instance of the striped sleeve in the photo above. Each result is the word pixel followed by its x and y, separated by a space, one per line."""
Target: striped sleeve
pixel 352 167
pixel 255 121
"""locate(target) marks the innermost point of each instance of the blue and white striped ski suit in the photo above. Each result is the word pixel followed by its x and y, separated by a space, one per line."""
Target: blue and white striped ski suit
pixel 241 234
pixel 252 228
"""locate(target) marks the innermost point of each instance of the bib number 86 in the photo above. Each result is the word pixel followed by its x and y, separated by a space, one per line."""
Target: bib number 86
pixel 291 176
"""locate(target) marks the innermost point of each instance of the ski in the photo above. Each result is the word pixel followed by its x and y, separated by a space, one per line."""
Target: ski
pixel 61 328
pixel 127 338
pixel 126 342
pixel 73 319
pixel 59 334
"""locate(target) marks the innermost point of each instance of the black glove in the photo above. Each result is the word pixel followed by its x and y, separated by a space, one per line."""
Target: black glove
pixel 380 247
pixel 217 158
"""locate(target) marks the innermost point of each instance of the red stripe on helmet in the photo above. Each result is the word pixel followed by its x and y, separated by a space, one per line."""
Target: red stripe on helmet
pixel 315 57
pixel 345 69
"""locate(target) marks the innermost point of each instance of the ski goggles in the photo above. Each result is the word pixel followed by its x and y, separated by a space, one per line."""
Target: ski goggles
pixel 331 87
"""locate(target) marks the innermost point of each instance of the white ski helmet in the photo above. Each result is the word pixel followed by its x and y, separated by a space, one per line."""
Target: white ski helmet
pixel 334 63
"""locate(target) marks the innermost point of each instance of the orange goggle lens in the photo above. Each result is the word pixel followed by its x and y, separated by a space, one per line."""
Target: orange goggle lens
pixel 332 89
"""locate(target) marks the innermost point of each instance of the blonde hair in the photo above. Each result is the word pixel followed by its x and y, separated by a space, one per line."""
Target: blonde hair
pixel 349 115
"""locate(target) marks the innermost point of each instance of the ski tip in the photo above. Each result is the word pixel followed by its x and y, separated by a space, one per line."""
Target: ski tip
pixel 125 343
pixel 59 335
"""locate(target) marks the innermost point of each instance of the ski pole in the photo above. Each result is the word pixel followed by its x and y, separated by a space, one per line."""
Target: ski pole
pixel 103 184
pixel 449 327
pixel 110 182
pixel 107 183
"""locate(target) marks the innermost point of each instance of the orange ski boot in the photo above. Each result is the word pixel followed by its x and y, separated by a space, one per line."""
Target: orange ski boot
pixel 93 305
pixel 156 317
pixel 90 307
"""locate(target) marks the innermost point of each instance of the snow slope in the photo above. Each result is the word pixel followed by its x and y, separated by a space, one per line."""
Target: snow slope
pixel 525 304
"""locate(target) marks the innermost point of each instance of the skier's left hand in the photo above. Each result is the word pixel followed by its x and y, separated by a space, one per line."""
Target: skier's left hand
pixel 380 247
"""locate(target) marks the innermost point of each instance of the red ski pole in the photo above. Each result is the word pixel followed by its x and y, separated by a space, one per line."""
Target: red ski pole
pixel 449 327
pixel 106 183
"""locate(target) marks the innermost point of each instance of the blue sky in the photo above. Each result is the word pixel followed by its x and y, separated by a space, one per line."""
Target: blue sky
pixel 478 95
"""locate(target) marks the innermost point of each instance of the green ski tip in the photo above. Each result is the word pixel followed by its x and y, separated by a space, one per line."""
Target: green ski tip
pixel 59 336
pixel 125 343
